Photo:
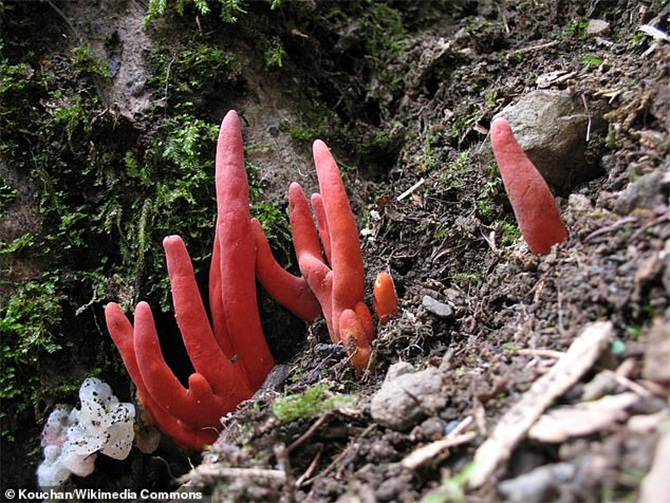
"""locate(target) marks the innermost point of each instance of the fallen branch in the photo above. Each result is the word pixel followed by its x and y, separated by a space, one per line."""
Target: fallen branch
pixel 215 471
pixel 585 418
pixel 514 425
pixel 427 452
pixel 654 486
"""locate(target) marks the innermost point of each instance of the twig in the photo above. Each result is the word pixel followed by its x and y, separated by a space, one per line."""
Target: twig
pixel 648 225
pixel 310 469
pixel 632 386
pixel 537 47
pixel 611 228
pixel 515 423
pixel 504 19
pixel 461 427
pixel 215 471
pixel 281 454
pixel 427 452
pixel 77 42
pixel 317 424
pixel 588 115
pixel 342 455
pixel 559 298
pixel 410 190
pixel 167 80
pixel 62 15
pixel 333 348
pixel 545 353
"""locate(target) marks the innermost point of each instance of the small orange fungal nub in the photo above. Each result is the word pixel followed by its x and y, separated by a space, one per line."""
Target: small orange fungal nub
pixel 384 299
pixel 353 333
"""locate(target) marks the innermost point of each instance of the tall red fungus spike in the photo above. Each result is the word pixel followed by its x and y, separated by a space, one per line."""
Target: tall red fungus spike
pixel 121 331
pixel 337 282
pixel 533 204
pixel 191 416
pixel 236 267
pixel 230 356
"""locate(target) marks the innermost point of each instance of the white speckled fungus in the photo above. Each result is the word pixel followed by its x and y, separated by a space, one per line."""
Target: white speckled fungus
pixel 72 440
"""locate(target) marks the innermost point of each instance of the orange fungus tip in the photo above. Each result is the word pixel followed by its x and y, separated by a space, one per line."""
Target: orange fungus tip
pixel 353 333
pixel 384 298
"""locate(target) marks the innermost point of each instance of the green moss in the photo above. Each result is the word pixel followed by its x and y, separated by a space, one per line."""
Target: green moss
pixel 229 10
pixel 456 171
pixel 196 70
pixel 72 114
pixel 576 28
pixel 462 122
pixel 7 196
pixel 30 324
pixel 13 78
pixel 429 159
pixel 317 120
pixel 315 401
pixel 467 277
pixel 87 63
pixel 509 233
pixel 275 54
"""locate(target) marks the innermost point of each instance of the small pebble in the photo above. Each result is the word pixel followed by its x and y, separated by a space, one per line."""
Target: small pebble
pixel 597 27
pixel 439 309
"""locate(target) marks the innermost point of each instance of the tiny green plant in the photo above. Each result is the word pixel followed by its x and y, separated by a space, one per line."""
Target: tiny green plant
pixel 509 233
pixel 590 61
pixel 485 198
pixel 452 488
pixel 274 56
pixel 430 160
pixel 467 277
pixel 634 332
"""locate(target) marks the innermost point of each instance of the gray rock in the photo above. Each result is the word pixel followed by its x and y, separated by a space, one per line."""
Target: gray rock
pixel 398 369
pixel 404 401
pixel 439 309
pixel 551 128
pixel 645 192
pixel 657 353
pixel 536 485
pixel 597 27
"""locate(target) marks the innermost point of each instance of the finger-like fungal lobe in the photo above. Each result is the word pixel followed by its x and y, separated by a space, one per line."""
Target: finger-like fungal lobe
pixel 534 206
